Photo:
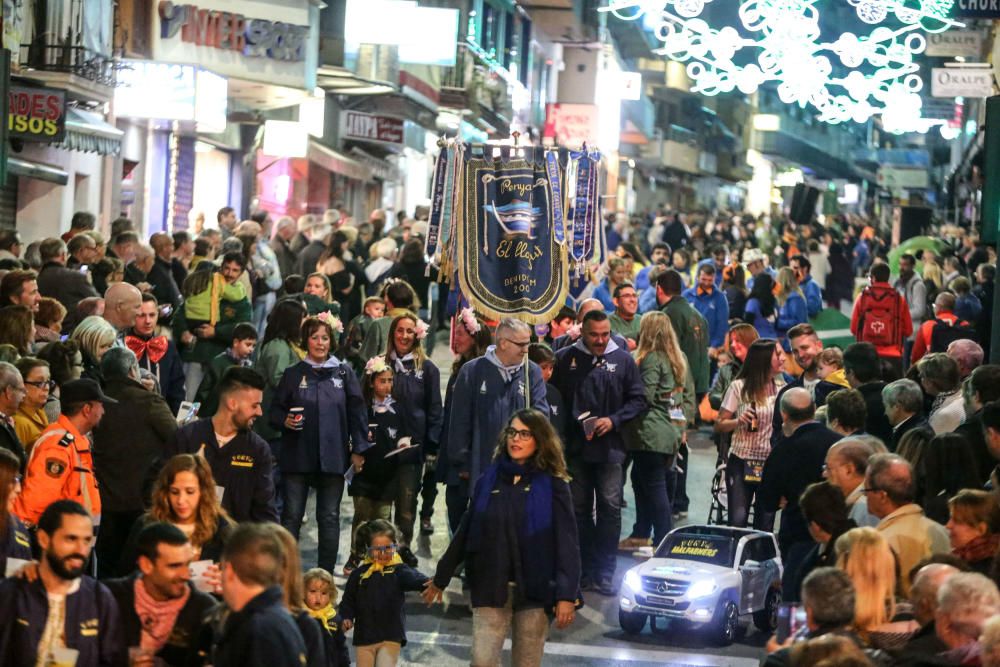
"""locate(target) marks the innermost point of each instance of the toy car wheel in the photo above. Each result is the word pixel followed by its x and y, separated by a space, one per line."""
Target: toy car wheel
pixel 729 625
pixel 632 623
pixel 766 619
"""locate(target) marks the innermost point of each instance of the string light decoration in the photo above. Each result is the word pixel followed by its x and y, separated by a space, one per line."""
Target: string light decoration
pixel 852 78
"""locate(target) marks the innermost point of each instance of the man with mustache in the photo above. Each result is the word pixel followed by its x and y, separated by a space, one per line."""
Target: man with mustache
pixel 62 613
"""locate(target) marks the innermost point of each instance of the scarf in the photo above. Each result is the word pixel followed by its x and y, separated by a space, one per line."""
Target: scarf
pixel 385 405
pixel 400 362
pixel 244 363
pixel 608 349
pixel 375 566
pixel 325 616
pixel 508 373
pixel 981 548
pixel 156 618
pixel 537 509
pixel 154 347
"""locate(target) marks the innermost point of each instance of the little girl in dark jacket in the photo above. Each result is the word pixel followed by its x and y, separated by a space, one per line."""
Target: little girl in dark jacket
pixel 374 481
pixel 320 597
pixel 375 595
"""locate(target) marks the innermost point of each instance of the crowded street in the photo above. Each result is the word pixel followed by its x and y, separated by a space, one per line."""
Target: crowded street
pixel 579 333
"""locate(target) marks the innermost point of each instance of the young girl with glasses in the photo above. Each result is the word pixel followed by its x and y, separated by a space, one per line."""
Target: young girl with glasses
pixel 375 596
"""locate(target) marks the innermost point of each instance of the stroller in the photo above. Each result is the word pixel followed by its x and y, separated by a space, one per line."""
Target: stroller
pixel 718 512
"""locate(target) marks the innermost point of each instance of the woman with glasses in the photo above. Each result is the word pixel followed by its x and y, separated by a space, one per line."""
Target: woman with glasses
pixel 519 543
pixel 13 535
pixel 30 419
pixel 748 413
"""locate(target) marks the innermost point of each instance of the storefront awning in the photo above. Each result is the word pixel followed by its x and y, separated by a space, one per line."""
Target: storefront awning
pixel 338 163
pixel 41 172
pixel 89 133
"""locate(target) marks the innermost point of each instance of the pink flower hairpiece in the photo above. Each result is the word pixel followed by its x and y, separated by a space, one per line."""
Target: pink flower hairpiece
pixel 334 322
pixel 376 365
pixel 422 329
pixel 468 318
pixel 574 330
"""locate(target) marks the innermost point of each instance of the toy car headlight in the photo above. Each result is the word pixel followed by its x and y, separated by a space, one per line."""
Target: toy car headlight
pixel 700 589
pixel 633 581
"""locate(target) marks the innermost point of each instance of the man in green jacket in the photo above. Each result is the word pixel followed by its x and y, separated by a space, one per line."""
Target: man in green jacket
pixel 205 342
pixel 692 334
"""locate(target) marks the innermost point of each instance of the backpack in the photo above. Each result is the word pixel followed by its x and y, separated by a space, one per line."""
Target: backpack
pixel 879 317
pixel 944 334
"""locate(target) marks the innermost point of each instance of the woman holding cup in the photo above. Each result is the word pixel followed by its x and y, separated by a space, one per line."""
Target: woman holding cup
pixel 748 413
pixel 185 496
pixel 320 410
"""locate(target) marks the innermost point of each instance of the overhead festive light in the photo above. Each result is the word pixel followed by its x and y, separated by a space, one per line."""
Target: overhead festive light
pixel 851 78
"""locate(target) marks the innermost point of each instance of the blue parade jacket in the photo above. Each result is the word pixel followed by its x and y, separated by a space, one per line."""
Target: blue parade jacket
pixel 417 392
pixel 334 417
pixel 92 625
pixel 482 403
pixel 605 386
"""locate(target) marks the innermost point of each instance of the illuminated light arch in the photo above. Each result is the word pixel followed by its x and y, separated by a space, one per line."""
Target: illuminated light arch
pixel 785 47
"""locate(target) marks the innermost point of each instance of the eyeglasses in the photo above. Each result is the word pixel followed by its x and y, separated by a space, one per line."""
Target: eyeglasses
pixel 18 479
pixel 518 434
pixel 42 384
pixel 520 345
pixel 379 551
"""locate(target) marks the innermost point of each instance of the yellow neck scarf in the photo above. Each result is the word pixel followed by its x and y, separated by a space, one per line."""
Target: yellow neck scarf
pixel 375 566
pixel 325 617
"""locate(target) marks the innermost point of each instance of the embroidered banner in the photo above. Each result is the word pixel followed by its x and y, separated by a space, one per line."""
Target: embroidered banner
pixel 511 261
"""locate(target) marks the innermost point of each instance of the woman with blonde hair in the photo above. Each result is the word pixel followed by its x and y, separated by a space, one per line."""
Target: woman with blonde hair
pixel 95 336
pixel 791 304
pixel 865 555
pixel 655 437
pixel 293 590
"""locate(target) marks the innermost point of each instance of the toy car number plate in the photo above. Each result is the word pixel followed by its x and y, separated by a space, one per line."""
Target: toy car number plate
pixel 656 599
pixel 754 471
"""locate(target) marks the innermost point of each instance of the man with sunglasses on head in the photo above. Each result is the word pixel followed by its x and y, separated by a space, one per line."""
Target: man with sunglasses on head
pixel 487 392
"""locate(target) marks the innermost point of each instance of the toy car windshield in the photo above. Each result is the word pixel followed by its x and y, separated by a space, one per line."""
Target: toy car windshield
pixel 709 549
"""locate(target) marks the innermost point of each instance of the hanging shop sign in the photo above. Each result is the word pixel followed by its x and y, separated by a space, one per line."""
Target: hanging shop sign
pixel 372 128
pixel 263 42
pixel 515 226
pixel 976 82
pixel 165 91
pixel 955 43
pixel 571 125
pixel 36 114
pixel 976 9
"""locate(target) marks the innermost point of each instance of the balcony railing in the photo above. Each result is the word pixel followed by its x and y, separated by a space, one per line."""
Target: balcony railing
pixel 77 60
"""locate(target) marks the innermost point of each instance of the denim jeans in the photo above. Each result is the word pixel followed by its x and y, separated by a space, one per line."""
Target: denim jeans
pixel 428 492
pixel 456 498
pixel 741 494
pixel 407 486
pixel 677 481
pixel 652 503
pixel 329 491
pixel 530 629
pixel 597 484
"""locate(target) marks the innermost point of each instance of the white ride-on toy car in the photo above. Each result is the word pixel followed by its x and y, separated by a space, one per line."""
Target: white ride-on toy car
pixel 707 576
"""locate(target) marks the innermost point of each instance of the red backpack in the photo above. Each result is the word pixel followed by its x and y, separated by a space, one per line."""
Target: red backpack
pixel 879 324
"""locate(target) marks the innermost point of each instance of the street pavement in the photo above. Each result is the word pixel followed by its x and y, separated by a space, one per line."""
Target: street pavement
pixel 442 635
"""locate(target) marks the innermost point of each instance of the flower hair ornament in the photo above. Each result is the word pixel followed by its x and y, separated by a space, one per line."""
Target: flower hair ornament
pixel 422 329
pixel 574 330
pixel 467 317
pixel 333 322
pixel 376 365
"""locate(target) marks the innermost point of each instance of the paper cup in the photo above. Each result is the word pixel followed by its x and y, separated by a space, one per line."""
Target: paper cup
pixel 298 414
pixel 63 657
pixel 198 569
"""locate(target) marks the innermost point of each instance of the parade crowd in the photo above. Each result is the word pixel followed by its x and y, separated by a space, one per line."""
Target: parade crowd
pixel 168 405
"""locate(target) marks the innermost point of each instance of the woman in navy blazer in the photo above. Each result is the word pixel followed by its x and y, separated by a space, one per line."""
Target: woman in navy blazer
pixel 321 413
